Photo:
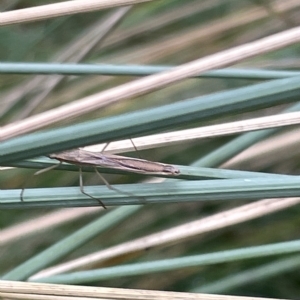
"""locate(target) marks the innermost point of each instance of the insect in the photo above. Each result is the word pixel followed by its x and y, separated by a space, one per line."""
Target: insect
pixel 82 157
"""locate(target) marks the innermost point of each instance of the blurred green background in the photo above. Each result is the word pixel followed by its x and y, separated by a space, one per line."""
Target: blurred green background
pixel 155 33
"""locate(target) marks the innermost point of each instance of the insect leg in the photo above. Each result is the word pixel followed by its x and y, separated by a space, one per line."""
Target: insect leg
pixel 36 173
pixel 117 190
pixel 83 192
pixel 47 169
pixel 135 148
pixel 106 145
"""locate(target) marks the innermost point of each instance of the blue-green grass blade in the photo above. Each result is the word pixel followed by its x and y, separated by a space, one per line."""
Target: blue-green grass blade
pixel 167 192
pixel 151 120
pixel 171 264
pixel 135 70
pixel 68 244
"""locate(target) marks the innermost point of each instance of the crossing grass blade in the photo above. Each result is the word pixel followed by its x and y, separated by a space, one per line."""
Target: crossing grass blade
pixel 213 209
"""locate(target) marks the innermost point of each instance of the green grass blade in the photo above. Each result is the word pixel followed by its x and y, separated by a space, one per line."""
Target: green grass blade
pixel 174 263
pixel 67 245
pixel 186 172
pixel 166 192
pixel 237 145
pixel 135 70
pixel 263 272
pixel 146 121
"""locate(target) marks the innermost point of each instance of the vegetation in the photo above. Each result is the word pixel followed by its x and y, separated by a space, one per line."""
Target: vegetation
pixel 228 224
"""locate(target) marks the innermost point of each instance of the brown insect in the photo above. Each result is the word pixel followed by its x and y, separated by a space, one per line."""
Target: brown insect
pixel 82 158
